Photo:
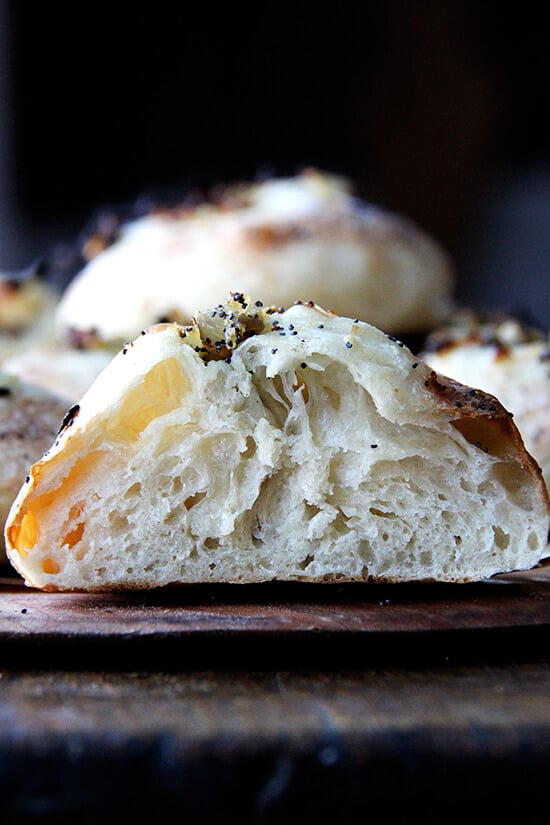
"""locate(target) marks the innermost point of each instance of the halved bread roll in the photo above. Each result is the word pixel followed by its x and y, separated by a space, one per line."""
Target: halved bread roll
pixel 256 445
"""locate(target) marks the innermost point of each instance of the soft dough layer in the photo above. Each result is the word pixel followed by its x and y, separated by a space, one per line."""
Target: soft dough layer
pixel 257 445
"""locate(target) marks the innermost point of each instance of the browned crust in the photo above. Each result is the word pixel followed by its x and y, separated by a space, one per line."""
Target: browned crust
pixel 327 579
pixel 486 423
pixel 367 224
pixel 443 346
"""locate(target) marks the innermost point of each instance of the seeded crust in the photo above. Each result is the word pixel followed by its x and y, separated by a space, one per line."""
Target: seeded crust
pixel 256 444
pixel 284 238
pixel 29 421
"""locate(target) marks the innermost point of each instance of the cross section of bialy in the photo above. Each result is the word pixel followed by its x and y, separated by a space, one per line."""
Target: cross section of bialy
pixel 258 444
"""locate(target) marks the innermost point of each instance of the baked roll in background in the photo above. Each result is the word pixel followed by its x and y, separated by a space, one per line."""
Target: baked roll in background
pixel 255 445
pixel 303 237
pixel 63 371
pixel 30 348
pixel 28 303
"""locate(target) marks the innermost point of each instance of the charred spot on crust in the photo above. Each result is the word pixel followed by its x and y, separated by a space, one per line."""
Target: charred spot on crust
pixel 16 280
pixel 464 398
pixel 69 418
pixel 10 285
pixel 271 236
pixel 484 422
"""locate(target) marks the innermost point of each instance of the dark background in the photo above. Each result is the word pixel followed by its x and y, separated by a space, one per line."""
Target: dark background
pixel 433 109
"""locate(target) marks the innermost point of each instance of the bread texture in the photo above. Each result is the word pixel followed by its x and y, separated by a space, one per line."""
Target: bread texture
pixel 507 359
pixel 256 445
pixel 29 421
pixel 303 237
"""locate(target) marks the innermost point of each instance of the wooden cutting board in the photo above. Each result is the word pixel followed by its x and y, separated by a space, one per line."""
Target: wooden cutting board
pixel 192 617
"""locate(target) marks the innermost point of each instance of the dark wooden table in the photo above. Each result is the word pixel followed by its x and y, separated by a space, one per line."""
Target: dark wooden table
pixel 277 703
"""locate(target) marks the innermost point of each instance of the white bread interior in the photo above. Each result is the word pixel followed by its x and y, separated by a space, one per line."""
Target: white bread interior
pixel 255 445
